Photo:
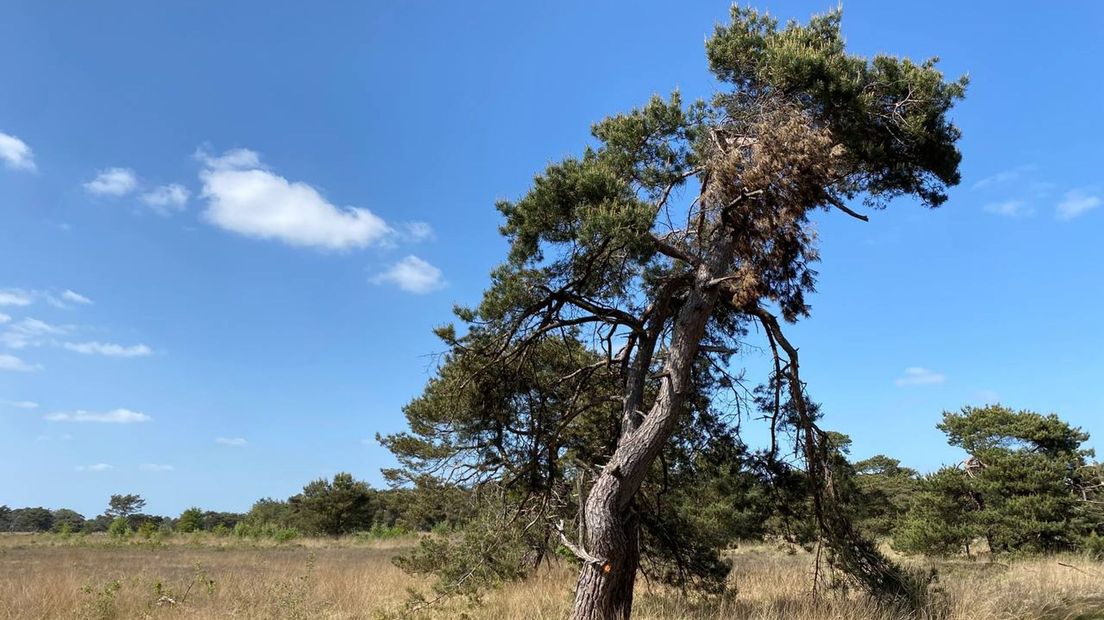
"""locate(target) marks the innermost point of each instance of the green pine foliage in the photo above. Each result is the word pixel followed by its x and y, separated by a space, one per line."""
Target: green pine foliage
pixel 1025 487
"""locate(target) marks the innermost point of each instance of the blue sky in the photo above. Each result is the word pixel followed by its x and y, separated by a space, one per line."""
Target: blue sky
pixel 227 229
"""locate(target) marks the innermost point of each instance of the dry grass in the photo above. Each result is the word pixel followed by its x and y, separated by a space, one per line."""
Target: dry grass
pixel 49 577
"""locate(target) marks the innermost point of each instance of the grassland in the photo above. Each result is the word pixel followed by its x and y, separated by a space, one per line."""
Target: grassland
pixel 205 577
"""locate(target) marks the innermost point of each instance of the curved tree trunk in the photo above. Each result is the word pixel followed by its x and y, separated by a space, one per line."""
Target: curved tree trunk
pixel 605 587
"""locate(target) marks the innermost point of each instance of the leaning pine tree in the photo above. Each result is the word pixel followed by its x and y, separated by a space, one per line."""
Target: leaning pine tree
pixel 601 357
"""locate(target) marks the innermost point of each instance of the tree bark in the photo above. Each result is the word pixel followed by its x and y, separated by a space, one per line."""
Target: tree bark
pixel 605 590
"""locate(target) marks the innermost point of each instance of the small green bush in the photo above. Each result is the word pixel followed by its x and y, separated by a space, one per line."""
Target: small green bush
pixel 119 528
pixel 147 530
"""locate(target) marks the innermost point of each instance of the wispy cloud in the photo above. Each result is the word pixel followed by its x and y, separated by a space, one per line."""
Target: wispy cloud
pixel 15 364
pixel 109 349
pixel 916 375
pixel 117 416
pixel 1076 203
pixel 1009 208
pixel 234 159
pixel 30 332
pixel 412 275
pixel 75 297
pixel 24 297
pixel 154 467
pixel 1004 176
pixel 4 318
pixel 166 199
pixel 98 467
pixel 246 198
pixel 113 182
pixel 236 442
pixel 15 153
pixel 15 297
pixel 20 404
pixel 417 231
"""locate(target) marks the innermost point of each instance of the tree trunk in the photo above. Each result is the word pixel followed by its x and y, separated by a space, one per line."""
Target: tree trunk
pixel 605 589
pixel 605 592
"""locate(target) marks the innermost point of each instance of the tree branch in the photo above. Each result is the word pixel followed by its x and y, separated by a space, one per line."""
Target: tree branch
pixel 837 203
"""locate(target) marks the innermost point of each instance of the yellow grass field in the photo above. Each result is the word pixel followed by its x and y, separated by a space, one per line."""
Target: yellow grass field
pixel 44 576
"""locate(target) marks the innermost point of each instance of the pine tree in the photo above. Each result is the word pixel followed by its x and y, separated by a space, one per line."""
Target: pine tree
pixel 658 249
pixel 1023 489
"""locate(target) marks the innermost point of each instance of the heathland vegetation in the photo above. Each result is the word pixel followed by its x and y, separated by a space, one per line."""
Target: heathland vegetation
pixel 1016 529
pixel 587 418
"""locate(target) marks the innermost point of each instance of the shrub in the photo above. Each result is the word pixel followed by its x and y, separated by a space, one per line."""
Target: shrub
pixel 265 530
pixel 119 528
pixel 147 530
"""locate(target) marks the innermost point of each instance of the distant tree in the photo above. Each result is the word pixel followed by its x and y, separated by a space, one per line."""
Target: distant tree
pixel 124 505
pixel 67 520
pixel 137 519
pixel 424 506
pixel 942 518
pixel 268 511
pixel 886 490
pixel 97 524
pixel 1023 471
pixel 5 519
pixel 335 507
pixel 31 520
pixel 1022 489
pixel 191 520
pixel 224 521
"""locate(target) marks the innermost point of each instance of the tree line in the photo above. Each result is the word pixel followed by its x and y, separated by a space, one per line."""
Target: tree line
pixel 325 507
pixel 1028 485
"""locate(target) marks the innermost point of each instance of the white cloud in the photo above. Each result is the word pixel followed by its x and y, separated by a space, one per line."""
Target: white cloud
pixel 231 441
pixel 13 363
pixel 23 297
pixel 29 332
pixel 1077 202
pixel 155 467
pixel 1004 176
pixel 413 275
pixel 75 297
pixel 167 198
pixel 15 153
pixel 4 318
pixel 109 349
pixel 916 375
pixel 113 182
pixel 15 297
pixel 118 416
pixel 418 231
pixel 234 159
pixel 20 404
pixel 96 467
pixel 1009 208
pixel 245 198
